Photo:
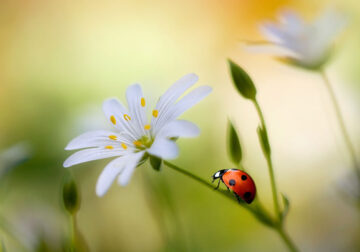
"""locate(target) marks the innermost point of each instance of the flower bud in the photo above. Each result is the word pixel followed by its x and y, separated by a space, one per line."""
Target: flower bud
pixel 234 146
pixel 71 197
pixel 242 81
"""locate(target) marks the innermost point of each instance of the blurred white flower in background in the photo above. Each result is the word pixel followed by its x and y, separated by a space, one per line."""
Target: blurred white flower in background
pixel 14 156
pixel 34 225
pixel 135 138
pixel 349 186
pixel 304 44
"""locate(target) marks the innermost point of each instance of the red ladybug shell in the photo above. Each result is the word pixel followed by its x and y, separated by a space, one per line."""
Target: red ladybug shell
pixel 241 183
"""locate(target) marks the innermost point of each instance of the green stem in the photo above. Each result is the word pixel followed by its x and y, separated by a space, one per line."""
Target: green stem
pixel 287 240
pixel 269 164
pixel 204 182
pixel 256 210
pixel 193 176
pixel 72 233
pixel 341 122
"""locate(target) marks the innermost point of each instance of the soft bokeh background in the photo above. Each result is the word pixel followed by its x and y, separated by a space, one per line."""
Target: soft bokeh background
pixel 61 59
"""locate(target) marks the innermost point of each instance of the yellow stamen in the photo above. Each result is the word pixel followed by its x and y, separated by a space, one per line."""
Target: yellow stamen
pixel 137 143
pixel 127 117
pixel 109 147
pixel 155 113
pixel 124 146
pixel 143 102
pixel 112 137
pixel 112 119
pixel 147 127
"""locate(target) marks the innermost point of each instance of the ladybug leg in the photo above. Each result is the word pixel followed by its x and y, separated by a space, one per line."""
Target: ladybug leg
pixel 238 198
pixel 217 187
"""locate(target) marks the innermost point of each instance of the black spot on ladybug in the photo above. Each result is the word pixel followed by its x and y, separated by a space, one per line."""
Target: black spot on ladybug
pixel 247 195
pixel 243 177
pixel 232 182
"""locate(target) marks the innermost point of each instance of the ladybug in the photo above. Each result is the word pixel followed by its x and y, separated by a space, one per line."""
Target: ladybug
pixel 239 182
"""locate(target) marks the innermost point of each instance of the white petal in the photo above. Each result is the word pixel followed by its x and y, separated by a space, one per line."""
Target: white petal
pixel 92 154
pixel 94 139
pixel 181 106
pixel 113 107
pixel 273 32
pixel 109 174
pixel 328 26
pixel 292 21
pixel 177 89
pixel 134 96
pixel 168 99
pixel 272 49
pixel 164 148
pixel 179 128
pixel 190 100
pixel 131 164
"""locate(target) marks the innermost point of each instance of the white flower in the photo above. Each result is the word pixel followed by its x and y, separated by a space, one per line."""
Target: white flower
pixel 304 44
pixel 135 137
pixel 14 156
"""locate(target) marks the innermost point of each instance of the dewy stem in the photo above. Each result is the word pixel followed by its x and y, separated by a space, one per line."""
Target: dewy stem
pixel 341 122
pixel 269 164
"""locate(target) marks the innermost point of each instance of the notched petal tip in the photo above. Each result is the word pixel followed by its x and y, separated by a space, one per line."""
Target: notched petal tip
pixel 193 76
pixel 100 192
pixel 66 164
pixel 210 89
pixel 134 89
pixel 70 146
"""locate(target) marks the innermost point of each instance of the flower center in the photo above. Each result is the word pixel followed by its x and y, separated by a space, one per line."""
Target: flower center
pixel 143 143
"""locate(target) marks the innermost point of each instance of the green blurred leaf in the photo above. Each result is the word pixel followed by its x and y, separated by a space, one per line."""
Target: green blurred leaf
pixel 242 81
pixel 42 246
pixel 71 197
pixel 264 140
pixel 2 248
pixel 286 203
pixel 155 163
pixel 234 145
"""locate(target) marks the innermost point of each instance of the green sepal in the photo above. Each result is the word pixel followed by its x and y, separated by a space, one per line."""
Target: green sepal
pixel 316 66
pixel 156 163
pixel 242 81
pixel 71 197
pixel 264 140
pixel 234 146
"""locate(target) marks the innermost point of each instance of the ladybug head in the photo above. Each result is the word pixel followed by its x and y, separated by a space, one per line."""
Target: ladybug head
pixel 219 174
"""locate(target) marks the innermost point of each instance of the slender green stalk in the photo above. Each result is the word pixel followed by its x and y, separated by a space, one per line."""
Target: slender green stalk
pixel 258 210
pixel 341 122
pixel 195 177
pixel 269 164
pixel 72 233
pixel 211 186
pixel 285 237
